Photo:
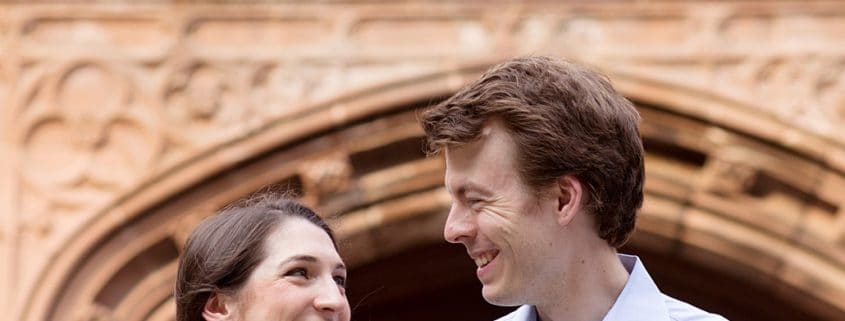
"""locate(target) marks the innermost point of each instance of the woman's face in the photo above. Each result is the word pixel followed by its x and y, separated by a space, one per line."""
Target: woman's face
pixel 302 278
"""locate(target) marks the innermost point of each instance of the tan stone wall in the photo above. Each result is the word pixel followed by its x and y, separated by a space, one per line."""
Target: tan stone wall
pixel 102 100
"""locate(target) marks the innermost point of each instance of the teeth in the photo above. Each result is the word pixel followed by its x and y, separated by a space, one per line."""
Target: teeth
pixel 483 259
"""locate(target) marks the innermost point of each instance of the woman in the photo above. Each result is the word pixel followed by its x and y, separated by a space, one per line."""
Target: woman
pixel 267 259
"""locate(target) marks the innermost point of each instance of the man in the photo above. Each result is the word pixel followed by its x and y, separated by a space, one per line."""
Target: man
pixel 544 163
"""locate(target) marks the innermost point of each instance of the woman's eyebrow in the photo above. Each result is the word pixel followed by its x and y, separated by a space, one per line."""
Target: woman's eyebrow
pixel 301 257
pixel 310 259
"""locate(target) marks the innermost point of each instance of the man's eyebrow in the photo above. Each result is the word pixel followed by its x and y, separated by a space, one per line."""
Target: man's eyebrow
pixel 472 187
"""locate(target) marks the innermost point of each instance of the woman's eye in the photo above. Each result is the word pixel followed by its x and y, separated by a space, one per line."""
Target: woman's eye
pixel 341 281
pixel 298 272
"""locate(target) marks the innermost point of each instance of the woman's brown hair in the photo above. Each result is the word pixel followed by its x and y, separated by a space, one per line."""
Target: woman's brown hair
pixel 223 250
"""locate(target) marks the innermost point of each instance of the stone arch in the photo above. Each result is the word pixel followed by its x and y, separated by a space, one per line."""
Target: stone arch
pixel 704 169
pixel 757 200
pixel 138 210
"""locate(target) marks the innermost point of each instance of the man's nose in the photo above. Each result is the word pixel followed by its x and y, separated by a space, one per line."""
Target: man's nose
pixel 331 299
pixel 459 225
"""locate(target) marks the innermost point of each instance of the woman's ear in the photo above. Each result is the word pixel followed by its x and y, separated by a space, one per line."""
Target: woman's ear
pixel 570 193
pixel 217 308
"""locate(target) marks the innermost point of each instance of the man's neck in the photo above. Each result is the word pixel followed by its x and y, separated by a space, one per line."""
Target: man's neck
pixel 590 285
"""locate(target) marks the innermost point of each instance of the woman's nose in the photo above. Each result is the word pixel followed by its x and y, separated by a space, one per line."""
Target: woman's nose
pixel 331 300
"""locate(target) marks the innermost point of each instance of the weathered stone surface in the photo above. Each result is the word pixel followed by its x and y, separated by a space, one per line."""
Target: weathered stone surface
pixel 113 112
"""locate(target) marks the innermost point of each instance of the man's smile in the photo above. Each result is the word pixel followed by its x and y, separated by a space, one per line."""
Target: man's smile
pixel 483 258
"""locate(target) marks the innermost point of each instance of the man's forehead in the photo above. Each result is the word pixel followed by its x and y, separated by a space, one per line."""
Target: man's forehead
pixel 486 130
pixel 474 146
pixel 492 151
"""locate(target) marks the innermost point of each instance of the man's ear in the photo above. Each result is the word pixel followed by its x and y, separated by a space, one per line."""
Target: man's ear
pixel 570 193
pixel 217 307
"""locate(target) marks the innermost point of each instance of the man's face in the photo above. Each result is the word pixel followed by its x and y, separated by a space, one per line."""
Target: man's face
pixel 502 223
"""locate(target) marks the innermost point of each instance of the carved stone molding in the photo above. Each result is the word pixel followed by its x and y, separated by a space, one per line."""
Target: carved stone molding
pixel 727 177
pixel 83 136
pixel 4 81
pixel 107 101
pixel 183 227
pixel 227 87
pixel 95 313
pixel 90 30
pixel 203 104
pixel 805 91
pixel 325 176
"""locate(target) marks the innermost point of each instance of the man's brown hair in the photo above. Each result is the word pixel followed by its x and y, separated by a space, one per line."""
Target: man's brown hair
pixel 221 253
pixel 566 120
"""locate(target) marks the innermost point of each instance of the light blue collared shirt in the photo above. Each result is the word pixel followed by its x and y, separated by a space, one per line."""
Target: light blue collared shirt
pixel 640 300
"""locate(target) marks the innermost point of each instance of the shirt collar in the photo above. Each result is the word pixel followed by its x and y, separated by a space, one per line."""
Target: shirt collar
pixel 640 298
pixel 524 313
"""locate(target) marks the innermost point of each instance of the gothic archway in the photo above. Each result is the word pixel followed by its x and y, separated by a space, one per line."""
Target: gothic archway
pixel 723 196
pixel 116 112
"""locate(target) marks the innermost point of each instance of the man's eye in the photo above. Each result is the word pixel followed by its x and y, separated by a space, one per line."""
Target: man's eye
pixel 341 281
pixel 297 272
pixel 473 201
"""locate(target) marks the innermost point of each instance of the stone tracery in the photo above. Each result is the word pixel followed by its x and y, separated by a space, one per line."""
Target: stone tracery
pixel 124 112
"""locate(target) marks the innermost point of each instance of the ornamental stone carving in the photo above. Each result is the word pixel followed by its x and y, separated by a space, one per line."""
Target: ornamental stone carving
pixel 203 104
pixel 280 90
pixel 84 132
pixel 96 312
pixel 4 79
pixel 830 90
pixel 727 177
pixel 106 103
pixel 325 176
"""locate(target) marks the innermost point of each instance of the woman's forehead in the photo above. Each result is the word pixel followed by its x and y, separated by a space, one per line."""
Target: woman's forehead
pixel 298 236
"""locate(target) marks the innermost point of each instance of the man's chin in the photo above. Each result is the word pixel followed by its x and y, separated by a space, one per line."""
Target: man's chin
pixel 499 297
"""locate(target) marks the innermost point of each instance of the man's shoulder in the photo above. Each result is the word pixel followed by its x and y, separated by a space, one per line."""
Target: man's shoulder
pixel 681 311
pixel 523 313
pixel 676 310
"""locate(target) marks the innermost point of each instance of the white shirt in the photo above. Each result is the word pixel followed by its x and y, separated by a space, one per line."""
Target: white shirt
pixel 640 300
